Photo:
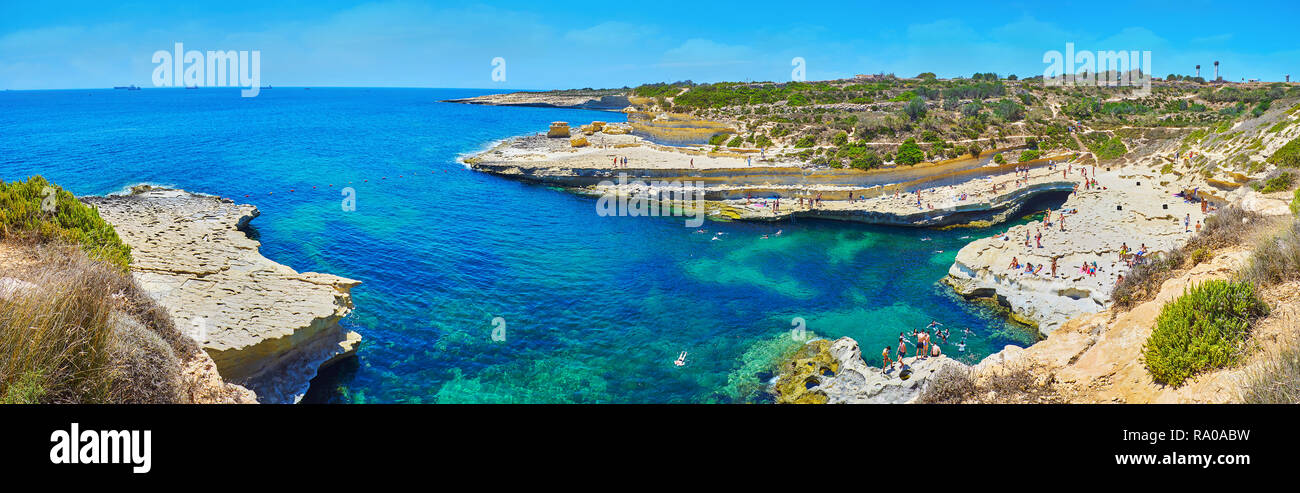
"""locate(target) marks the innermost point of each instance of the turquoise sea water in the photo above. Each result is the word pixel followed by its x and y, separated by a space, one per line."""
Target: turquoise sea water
pixel 595 308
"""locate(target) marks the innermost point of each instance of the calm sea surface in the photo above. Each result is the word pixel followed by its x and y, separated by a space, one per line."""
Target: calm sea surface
pixel 595 309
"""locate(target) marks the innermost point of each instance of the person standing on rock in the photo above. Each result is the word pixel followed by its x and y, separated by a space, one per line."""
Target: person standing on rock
pixel 886 364
pixel 902 348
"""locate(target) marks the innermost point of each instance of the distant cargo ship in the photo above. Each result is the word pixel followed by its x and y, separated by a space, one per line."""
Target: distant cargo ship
pixel 131 87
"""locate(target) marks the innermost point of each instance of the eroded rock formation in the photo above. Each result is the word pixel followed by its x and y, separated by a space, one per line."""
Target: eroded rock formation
pixel 266 326
pixel 826 372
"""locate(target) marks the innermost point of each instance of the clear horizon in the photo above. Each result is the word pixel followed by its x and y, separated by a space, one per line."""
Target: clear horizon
pixel 83 45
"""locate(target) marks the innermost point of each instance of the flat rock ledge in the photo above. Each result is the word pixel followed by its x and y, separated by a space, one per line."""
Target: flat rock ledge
pixel 835 373
pixel 266 326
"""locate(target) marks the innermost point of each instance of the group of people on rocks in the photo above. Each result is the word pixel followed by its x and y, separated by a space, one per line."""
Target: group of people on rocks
pixel 925 345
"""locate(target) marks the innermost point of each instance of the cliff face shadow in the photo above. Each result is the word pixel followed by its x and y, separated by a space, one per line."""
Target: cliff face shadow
pixel 325 389
pixel 252 232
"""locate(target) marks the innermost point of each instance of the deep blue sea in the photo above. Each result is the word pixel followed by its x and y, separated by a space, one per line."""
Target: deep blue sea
pixel 595 309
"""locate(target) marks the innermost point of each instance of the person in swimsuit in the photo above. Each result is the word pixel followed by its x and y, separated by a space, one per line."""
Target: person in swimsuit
pixel 885 363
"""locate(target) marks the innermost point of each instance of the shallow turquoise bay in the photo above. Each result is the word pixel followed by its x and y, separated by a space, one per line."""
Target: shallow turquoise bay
pixel 595 308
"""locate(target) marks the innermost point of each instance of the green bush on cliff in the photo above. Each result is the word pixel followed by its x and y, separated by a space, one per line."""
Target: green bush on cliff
pixel 1287 155
pixel 1295 204
pixel 909 153
pixel 1105 147
pixel 1030 155
pixel 38 210
pixel 1278 183
pixel 1201 330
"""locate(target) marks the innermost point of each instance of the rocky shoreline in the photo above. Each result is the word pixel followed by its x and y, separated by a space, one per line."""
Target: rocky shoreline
pixel 738 186
pixel 609 102
pixel 265 326
pixel 833 372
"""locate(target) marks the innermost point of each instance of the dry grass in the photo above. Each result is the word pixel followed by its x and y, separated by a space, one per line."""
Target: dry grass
pixel 1276 259
pixel 1016 383
pixel 1276 379
pixel 81 331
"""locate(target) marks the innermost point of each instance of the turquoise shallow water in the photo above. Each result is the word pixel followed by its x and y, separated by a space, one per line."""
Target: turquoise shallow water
pixel 595 308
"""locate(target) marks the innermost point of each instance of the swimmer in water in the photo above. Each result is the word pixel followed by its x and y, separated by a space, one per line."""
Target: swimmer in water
pixel 961 346
pixel 681 359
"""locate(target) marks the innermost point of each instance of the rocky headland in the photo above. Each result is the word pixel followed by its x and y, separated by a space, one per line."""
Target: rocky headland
pixel 265 326
pixel 566 99
pixel 833 372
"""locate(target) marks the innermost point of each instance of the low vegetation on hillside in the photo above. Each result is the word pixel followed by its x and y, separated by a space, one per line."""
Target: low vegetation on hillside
pixel 77 329
pixel 36 210
pixel 1201 330
pixel 1227 227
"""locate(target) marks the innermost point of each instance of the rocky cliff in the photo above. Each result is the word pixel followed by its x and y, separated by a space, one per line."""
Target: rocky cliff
pixel 559 99
pixel 266 326
pixel 826 372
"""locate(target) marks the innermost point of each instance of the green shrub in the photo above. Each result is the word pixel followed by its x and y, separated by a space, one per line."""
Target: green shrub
pixel 1030 155
pixel 806 141
pixel 909 153
pixel 1278 183
pixel 24 214
pixel 1295 203
pixel 1201 330
pixel 718 139
pixel 840 139
pixel 1105 147
pixel 999 159
pixel 915 108
pixel 736 142
pixel 1287 155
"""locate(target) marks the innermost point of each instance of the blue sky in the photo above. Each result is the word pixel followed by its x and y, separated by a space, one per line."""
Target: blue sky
pixel 53 44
